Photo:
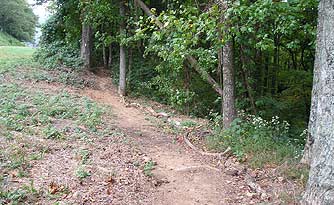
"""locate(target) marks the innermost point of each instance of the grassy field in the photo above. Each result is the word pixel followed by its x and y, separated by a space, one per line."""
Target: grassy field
pixel 7 40
pixel 12 57
pixel 12 53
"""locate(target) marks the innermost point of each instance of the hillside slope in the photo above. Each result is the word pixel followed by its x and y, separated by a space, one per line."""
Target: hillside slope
pixel 8 40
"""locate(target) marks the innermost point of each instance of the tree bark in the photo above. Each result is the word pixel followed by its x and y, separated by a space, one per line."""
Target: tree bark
pixel 86 46
pixel 320 186
pixel 228 97
pixel 122 55
pixel 228 104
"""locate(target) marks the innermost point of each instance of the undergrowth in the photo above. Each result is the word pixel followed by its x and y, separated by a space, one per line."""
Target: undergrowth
pixel 260 143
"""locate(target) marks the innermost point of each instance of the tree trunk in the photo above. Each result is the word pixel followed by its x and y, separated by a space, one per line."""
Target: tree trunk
pixel 86 45
pixel 245 80
pixel 320 186
pixel 228 104
pixel 105 59
pixel 122 55
pixel 110 56
pixel 228 97
pixel 129 71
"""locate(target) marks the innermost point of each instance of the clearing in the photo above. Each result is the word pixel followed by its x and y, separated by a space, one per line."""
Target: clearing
pixel 66 137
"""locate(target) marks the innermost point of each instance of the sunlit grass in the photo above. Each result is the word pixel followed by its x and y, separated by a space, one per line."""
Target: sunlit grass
pixel 16 52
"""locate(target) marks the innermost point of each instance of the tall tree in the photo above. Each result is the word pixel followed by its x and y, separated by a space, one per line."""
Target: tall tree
pixel 122 55
pixel 320 187
pixel 86 45
pixel 228 104
pixel 17 19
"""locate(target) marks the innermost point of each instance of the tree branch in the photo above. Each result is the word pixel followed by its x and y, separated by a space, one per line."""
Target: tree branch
pixel 192 61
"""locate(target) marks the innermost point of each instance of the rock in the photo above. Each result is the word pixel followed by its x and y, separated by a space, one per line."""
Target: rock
pixel 76 194
pixel 146 159
pixel 232 172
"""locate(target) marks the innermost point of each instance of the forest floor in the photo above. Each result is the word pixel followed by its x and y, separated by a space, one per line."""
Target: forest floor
pixel 68 138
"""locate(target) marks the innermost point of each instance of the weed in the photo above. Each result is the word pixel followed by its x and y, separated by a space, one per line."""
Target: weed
pixel 13 197
pixel 27 194
pixel 81 173
pixel 188 123
pixel 51 132
pixel 149 166
pixel 84 154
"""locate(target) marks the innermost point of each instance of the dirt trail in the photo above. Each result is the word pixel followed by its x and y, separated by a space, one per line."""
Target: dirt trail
pixel 185 179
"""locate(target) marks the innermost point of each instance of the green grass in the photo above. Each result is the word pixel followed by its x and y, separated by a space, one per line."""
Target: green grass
pixel 8 40
pixel 28 115
pixel 12 53
pixel 13 57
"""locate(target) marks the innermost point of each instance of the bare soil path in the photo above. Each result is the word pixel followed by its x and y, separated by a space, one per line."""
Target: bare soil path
pixel 185 179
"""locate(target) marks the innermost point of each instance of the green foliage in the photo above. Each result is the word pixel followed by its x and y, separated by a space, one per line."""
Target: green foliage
pixel 40 108
pixel 51 132
pixel 149 166
pixel 60 40
pixel 17 19
pixel 8 40
pixel 57 54
pixel 12 58
pixel 258 141
pixel 81 173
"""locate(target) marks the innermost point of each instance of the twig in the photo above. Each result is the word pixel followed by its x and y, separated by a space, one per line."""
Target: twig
pixel 204 153
pixel 197 167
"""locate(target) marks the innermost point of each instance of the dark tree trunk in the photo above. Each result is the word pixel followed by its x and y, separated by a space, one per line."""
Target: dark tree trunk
pixel 105 59
pixel 110 56
pixel 86 46
pixel 244 73
pixel 320 152
pixel 276 63
pixel 187 80
pixel 269 74
pixel 130 61
pixel 122 55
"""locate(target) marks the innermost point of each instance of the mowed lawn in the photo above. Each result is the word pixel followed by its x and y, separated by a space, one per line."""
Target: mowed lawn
pixel 15 53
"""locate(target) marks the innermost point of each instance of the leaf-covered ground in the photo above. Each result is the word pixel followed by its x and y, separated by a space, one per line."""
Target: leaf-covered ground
pixel 67 138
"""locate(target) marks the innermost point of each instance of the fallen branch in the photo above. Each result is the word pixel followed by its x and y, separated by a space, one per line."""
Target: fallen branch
pixel 197 167
pixel 193 147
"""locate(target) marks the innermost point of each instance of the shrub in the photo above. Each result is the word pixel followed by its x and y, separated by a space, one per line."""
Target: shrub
pixel 57 54
pixel 258 141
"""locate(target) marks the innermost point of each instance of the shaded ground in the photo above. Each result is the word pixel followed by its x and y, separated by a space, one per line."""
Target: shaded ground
pixel 124 155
